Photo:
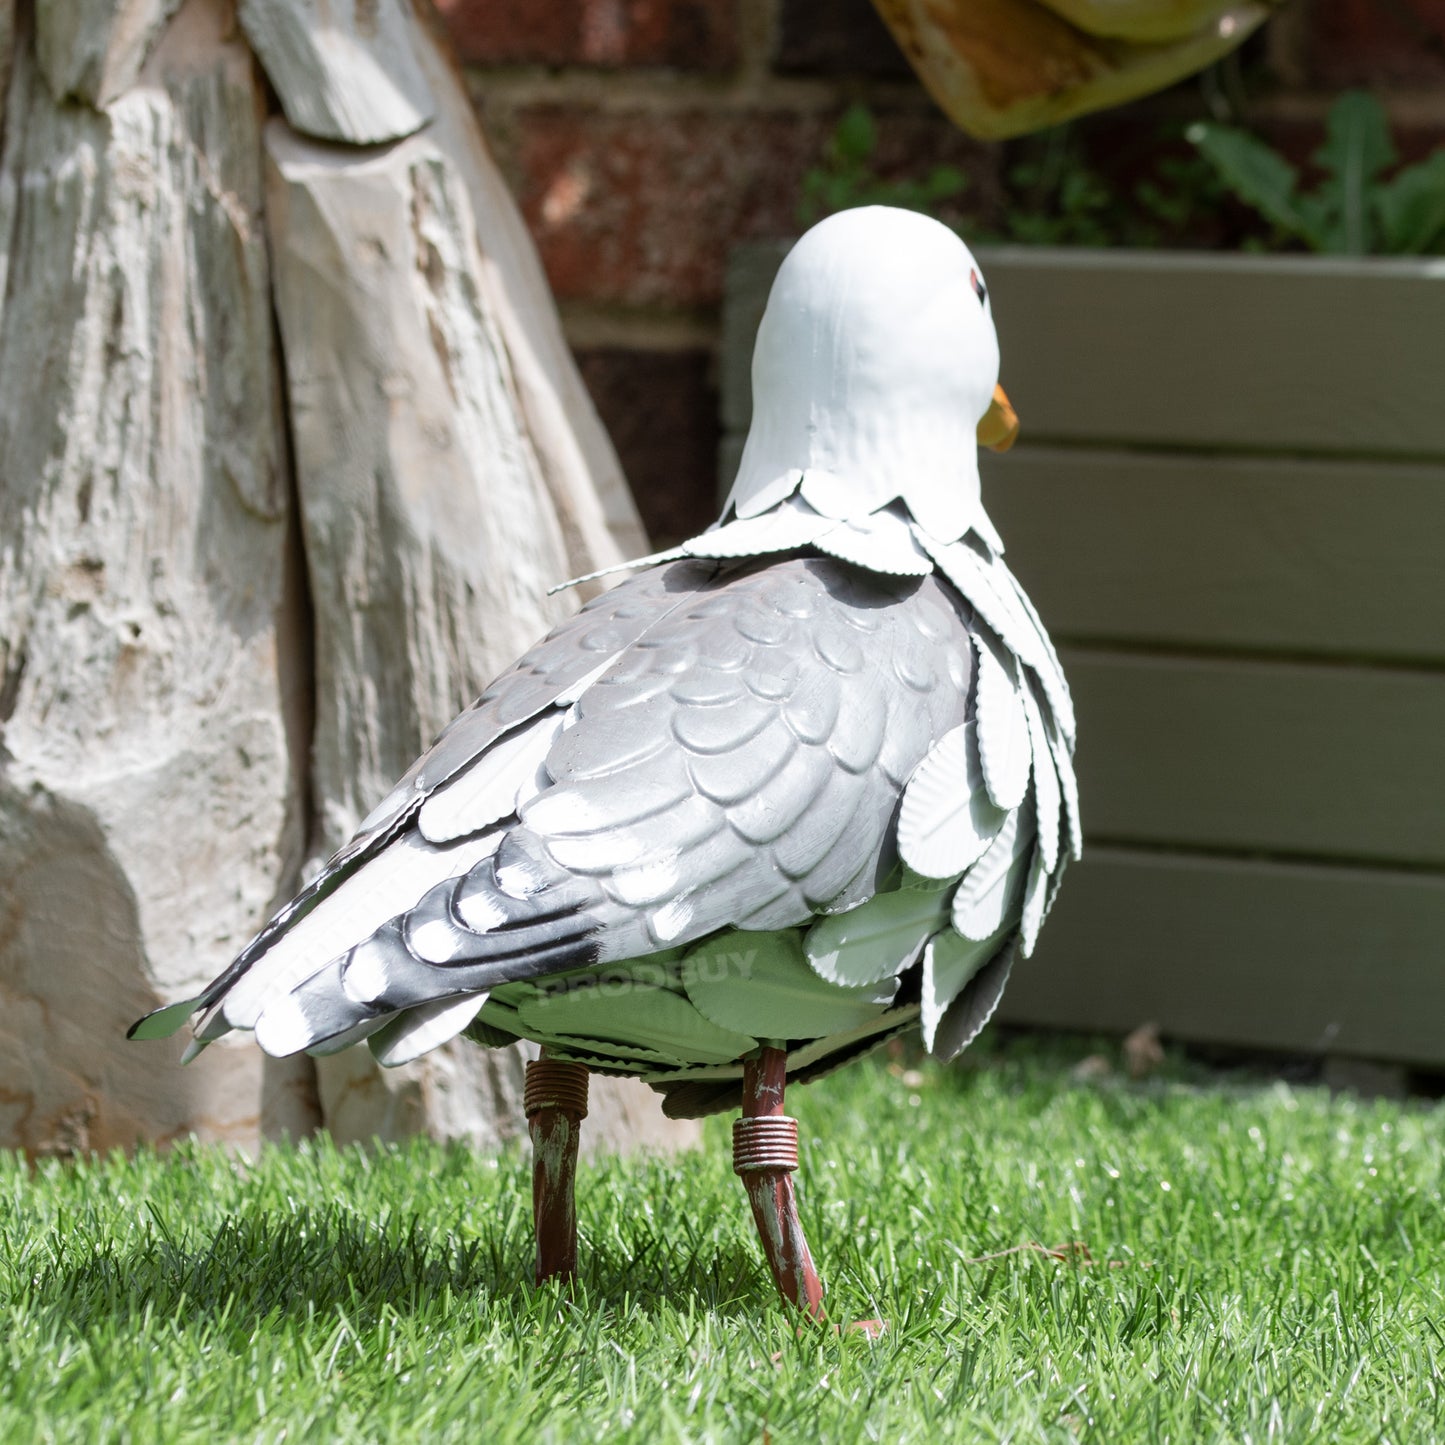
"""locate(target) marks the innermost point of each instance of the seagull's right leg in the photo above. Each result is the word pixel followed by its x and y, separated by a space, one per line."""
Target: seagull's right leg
pixel 765 1153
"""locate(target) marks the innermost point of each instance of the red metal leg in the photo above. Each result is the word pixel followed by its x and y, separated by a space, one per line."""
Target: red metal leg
pixel 765 1153
pixel 555 1100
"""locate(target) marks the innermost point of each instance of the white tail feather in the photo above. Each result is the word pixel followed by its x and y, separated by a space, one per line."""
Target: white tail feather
pixel 389 884
pixel 486 789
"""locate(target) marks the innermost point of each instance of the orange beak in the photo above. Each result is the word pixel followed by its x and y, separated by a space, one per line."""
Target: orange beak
pixel 999 428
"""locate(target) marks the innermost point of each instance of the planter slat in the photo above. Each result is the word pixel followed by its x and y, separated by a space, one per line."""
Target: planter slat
pixel 1326 557
pixel 750 277
pixel 1331 960
pixel 1235 352
pixel 1324 761
pixel 1221 352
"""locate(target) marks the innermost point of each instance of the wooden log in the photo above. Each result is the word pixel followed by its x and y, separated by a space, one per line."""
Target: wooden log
pixel 146 802
pixel 430 539
pixel 92 50
pixel 7 53
pixel 344 69
pixel 431 534
pixel 594 506
pixel 156 694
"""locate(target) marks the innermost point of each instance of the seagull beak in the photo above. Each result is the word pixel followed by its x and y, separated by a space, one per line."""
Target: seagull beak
pixel 999 428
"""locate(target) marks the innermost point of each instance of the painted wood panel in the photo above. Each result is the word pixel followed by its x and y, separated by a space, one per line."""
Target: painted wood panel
pixel 1284 758
pixel 1335 558
pixel 1250 353
pixel 1247 353
pixel 750 277
pixel 1321 960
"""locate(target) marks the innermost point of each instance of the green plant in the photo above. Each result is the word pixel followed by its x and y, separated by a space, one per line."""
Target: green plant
pixel 1054 198
pixel 1352 210
pixel 1052 195
pixel 848 176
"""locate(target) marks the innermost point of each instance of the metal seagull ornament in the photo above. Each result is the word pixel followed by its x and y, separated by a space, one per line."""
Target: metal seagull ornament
pixel 802 783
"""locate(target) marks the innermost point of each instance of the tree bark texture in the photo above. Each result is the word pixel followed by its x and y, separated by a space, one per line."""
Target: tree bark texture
pixel 291 449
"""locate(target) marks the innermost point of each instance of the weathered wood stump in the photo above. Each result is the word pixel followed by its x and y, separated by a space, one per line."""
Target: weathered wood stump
pixel 291 448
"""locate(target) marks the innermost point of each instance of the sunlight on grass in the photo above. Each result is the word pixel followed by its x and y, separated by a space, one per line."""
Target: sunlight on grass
pixel 1257 1264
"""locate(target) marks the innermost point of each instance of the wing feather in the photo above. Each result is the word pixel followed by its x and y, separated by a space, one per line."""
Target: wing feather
pixel 972 1009
pixel 487 791
pixel 1036 894
pixel 419 1030
pixel 1048 797
pixel 948 820
pixel 605 627
pixel 390 884
pixel 990 893
pixel 1003 727
pixel 877 939
pixel 949 963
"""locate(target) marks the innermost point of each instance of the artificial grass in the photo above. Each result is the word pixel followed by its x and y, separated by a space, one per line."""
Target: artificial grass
pixel 1263 1264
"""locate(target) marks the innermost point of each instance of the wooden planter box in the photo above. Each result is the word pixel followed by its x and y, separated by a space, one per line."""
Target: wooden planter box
pixel 1229 506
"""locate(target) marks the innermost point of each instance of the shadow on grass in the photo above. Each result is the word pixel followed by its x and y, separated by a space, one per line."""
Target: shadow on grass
pixel 314 1264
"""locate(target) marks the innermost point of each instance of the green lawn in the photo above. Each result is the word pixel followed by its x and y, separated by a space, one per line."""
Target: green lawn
pixel 1263 1264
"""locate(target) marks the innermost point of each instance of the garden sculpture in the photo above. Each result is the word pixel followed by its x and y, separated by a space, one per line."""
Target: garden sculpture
pixel 804 781
pixel 1007 67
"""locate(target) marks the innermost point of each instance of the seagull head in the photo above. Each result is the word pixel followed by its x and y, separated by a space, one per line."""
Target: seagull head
pixel 875 375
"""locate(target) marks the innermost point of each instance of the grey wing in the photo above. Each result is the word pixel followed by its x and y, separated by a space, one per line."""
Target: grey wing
pixel 786 711
pixel 739 765
pixel 552 672
pixel 544 680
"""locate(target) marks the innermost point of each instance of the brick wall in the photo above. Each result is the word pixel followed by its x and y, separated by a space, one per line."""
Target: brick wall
pixel 643 138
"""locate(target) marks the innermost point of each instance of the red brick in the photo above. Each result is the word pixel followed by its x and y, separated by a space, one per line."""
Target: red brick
pixel 661 408
pixel 643 207
pixel 837 37
pixel 1376 42
pixel 695 35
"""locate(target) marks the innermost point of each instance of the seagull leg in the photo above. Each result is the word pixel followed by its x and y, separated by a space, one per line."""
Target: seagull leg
pixel 555 1101
pixel 765 1153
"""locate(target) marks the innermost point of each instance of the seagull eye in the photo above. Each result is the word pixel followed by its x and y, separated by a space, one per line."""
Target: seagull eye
pixel 979 289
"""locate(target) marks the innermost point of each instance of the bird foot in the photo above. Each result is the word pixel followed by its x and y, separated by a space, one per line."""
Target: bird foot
pixel 555 1101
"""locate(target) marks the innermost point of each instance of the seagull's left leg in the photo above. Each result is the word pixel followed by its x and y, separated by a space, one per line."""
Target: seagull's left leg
pixel 555 1101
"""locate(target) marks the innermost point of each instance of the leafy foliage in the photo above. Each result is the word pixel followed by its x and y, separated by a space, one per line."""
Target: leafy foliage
pixel 848 176
pixel 1259 1263
pixel 1353 210
pixel 1052 195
